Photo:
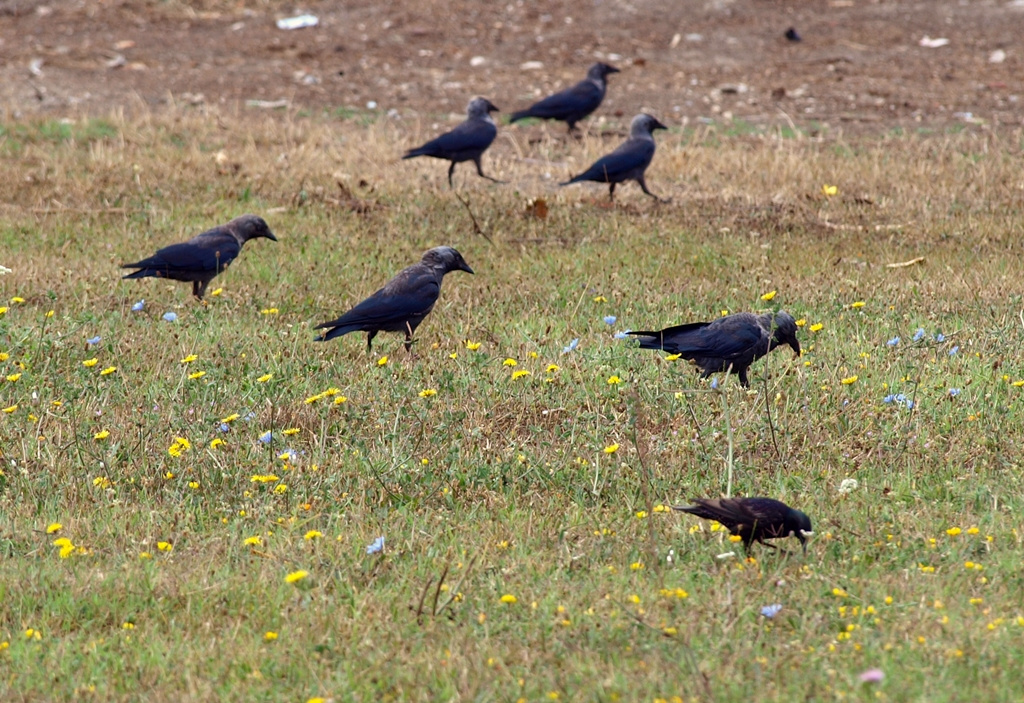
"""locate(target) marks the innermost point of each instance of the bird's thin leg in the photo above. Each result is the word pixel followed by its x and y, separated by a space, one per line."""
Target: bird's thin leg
pixel 643 187
pixel 744 381
pixel 198 289
pixel 408 337
pixel 369 340
pixel 611 192
pixel 480 171
pixel 451 170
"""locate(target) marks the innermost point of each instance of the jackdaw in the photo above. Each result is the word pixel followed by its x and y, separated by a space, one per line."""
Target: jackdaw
pixel 467 142
pixel 576 103
pixel 753 519
pixel 730 343
pixel 629 161
pixel 201 258
pixel 403 302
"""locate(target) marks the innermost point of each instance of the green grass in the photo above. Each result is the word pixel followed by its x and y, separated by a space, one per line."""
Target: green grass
pixel 499 486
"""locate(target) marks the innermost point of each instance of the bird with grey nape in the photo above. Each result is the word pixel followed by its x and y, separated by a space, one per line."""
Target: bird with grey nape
pixel 201 258
pixel 576 103
pixel 629 161
pixel 404 301
pixel 753 519
pixel 730 343
pixel 467 142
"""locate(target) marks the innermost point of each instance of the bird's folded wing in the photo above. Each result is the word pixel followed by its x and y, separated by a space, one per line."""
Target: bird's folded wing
pixel 580 97
pixel 211 254
pixel 627 157
pixel 475 134
pixel 385 307
pixel 722 342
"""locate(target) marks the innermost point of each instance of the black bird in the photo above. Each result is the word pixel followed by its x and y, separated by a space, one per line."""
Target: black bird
pixel 467 142
pixel 404 301
pixel 629 161
pixel 730 343
pixel 753 519
pixel 201 258
pixel 576 103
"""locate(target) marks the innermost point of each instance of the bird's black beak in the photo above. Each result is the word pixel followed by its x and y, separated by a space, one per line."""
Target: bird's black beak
pixel 465 267
pixel 657 125
pixel 795 343
pixel 612 69
pixel 270 235
pixel 491 107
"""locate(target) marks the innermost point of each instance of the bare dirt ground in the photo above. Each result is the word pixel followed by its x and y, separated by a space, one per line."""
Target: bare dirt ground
pixel 861 66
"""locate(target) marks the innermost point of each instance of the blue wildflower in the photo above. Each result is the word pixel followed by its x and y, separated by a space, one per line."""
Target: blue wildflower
pixel 888 399
pixel 377 546
pixel 954 392
pixel 610 319
pixel 139 305
pixel 939 337
pixel 714 383
pixel 94 341
pixel 170 316
pixel 289 455
pixel 919 335
pixel 954 350
pixel 572 345
pixel 622 335
pixel 770 611
pixel 224 427
pixel 893 342
pixel 267 437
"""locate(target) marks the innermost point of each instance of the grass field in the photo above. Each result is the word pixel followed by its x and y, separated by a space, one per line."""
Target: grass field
pixel 528 553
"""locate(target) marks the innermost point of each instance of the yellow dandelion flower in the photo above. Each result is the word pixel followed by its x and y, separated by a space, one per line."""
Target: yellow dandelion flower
pixel 164 546
pixel 314 398
pixel 636 565
pixel 296 576
pixel 196 375
pixel 509 598
pixel 216 292
pixel 193 485
pixel 269 311
pixel 102 434
pixel 453 355
pixel 4 356
pixel 661 508
pixel 472 346
pixel 641 514
pixel 977 601
pixel 614 380
pixel 1018 384
pixel 801 322
pixel 600 299
pixel 857 305
pixel 972 530
pixel 270 636
pixel 127 626
pixel 611 448
pixel 840 593
pixel 383 361
pixel 107 371
pixel 669 631
pixel 848 380
pixel 53 527
pixel 3 310
pixel 13 377
pixel 49 313
pixel 89 363
pixel 953 531
pixel 291 431
pixel 313 534
pixel 673 357
pixel 217 442
pixel 264 478
pixel 264 378
pixel 145 555
pixel 509 362
pixel 828 190
pixel 17 299
pixel 189 359
pixel 769 295
pixel 734 538
pixel 552 368
pixel 522 373
pixel 427 392
pixel 230 418
pixel 281 488
pixel 817 327
pixel 253 541
pixel 10 409
pixel 634 598
pixel 338 400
